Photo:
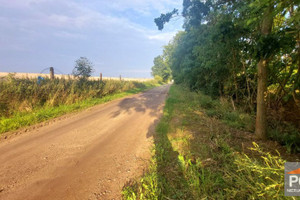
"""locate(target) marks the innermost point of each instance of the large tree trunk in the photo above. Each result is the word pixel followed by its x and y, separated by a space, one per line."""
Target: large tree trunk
pixel 261 121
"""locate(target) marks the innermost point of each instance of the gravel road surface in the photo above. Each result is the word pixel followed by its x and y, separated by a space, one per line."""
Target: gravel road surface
pixel 88 155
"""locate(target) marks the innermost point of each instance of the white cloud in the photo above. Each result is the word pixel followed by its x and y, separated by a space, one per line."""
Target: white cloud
pixel 165 37
pixel 92 28
pixel 142 7
pixel 18 3
pixel 69 35
pixel 70 15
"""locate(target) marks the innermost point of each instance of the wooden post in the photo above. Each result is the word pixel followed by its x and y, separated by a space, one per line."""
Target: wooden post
pixel 120 78
pixel 51 73
pixel 100 77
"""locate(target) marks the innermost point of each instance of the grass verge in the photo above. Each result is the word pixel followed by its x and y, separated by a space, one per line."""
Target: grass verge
pixel 197 155
pixel 23 119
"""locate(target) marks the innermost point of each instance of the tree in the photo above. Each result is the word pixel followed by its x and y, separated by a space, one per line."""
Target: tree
pixel 163 63
pixel 265 31
pixel 83 68
pixel 161 68
pixel 241 49
pixel 164 18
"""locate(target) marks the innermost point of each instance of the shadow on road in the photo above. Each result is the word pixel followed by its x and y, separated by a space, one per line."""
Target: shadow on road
pixel 150 101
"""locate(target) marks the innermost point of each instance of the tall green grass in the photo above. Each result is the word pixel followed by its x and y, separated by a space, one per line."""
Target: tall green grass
pixel 25 102
pixel 195 156
pixel 222 109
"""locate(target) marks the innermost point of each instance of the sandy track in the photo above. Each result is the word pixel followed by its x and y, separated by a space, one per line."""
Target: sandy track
pixel 90 155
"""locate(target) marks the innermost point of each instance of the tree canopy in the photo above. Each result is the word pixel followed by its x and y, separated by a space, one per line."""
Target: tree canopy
pixel 162 64
pixel 83 68
pixel 246 50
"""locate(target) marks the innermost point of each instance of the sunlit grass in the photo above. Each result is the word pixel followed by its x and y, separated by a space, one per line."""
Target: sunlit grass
pixel 195 156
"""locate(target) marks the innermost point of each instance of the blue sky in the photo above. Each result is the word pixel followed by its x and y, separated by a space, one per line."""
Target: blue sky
pixel 117 36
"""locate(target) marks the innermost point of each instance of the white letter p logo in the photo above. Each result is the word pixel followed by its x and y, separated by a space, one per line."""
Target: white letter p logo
pixel 293 179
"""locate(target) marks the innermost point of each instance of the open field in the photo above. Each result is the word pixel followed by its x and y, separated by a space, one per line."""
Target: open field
pixel 35 75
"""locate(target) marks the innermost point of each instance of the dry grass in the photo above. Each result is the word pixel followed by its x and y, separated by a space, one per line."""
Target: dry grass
pixel 27 101
pixel 62 76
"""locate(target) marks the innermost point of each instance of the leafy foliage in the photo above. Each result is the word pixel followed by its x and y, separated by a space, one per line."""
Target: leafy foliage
pixel 161 68
pixel 160 21
pixel 162 64
pixel 223 43
pixel 83 68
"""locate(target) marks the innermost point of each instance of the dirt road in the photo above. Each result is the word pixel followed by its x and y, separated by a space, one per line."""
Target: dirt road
pixel 89 155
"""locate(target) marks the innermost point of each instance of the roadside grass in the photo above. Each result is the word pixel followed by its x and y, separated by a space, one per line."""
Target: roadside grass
pixel 21 119
pixel 199 155
pixel 222 109
pixel 278 130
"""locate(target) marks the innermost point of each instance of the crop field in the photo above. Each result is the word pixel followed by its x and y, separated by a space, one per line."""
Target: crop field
pixel 35 75
pixel 25 101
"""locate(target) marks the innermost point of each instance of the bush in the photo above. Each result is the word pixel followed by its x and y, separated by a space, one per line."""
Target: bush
pixel 158 79
pixel 286 134
pixel 24 95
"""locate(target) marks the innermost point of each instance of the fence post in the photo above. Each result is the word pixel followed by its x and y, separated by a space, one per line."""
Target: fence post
pixel 100 77
pixel 51 73
pixel 120 78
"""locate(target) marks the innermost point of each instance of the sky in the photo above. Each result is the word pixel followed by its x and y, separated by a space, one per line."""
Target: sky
pixel 118 36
